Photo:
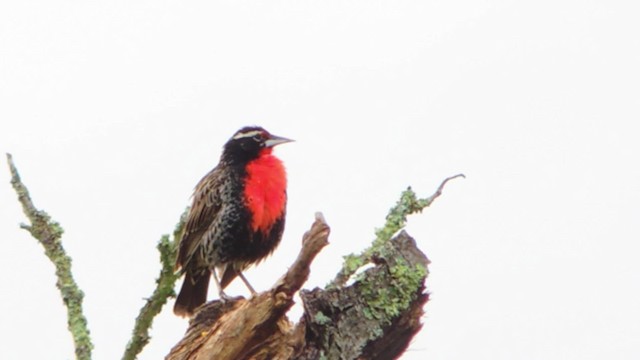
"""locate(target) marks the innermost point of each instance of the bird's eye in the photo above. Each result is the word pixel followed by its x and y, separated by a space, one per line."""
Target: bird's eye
pixel 257 137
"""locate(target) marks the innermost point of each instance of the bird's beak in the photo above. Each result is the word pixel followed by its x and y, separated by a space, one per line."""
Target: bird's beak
pixel 276 140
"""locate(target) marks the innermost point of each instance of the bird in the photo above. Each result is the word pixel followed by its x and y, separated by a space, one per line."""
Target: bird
pixel 236 218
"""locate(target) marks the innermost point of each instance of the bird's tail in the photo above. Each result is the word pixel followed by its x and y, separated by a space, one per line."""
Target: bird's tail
pixel 193 293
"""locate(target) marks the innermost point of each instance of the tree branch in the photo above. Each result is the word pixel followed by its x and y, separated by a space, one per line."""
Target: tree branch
pixel 375 317
pixel 256 328
pixel 164 289
pixel 48 233
pixel 396 220
pixel 312 242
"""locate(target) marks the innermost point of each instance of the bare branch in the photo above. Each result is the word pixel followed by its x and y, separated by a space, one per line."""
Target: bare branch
pixel 312 242
pixel 48 233
pixel 438 192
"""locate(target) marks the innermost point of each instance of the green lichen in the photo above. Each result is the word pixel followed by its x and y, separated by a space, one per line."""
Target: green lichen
pixel 49 233
pixel 353 262
pixel 167 248
pixel 384 303
pixel 376 333
pixel 321 318
pixel 396 219
pixel 56 229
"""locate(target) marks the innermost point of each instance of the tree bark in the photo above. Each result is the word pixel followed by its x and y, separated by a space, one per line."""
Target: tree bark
pixel 373 316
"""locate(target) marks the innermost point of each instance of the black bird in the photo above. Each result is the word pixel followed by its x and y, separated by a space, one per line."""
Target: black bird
pixel 236 219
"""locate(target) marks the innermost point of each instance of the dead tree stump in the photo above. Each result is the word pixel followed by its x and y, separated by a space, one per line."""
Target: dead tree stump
pixel 373 317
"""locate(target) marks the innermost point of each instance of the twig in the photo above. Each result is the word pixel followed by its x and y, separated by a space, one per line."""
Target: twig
pixel 396 219
pixel 48 233
pixel 164 289
pixel 312 242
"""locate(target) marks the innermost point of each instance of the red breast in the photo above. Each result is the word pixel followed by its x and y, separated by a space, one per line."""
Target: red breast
pixel 265 190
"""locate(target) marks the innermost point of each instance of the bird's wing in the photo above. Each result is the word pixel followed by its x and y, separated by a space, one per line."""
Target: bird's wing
pixel 204 210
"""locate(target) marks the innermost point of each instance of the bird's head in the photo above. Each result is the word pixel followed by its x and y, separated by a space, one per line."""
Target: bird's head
pixel 250 142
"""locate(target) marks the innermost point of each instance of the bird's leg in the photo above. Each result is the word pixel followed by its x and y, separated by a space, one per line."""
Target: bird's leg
pixel 223 296
pixel 244 280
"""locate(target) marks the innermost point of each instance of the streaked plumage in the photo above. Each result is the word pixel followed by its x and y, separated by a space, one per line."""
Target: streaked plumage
pixel 236 219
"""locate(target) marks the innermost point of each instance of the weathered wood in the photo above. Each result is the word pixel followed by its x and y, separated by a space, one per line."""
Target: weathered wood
pixel 374 318
pixel 256 328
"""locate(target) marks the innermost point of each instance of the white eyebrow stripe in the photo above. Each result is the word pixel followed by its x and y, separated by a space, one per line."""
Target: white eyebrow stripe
pixel 247 134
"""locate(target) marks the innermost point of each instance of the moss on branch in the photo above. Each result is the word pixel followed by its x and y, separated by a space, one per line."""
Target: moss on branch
pixel 396 219
pixel 164 289
pixel 49 233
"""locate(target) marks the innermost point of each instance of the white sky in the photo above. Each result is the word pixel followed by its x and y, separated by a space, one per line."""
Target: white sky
pixel 113 111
